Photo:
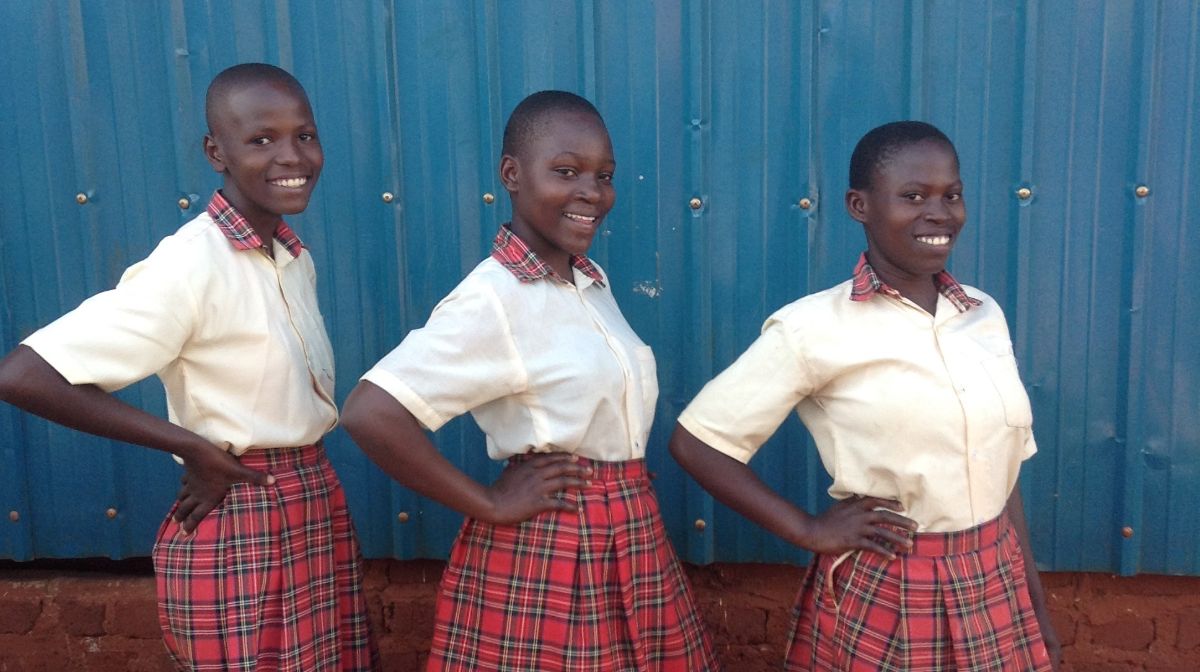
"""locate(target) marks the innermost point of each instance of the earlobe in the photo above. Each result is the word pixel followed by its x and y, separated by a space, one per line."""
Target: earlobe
pixel 213 153
pixel 509 173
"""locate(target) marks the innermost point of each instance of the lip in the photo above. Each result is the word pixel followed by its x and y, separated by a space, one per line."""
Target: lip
pixel 582 221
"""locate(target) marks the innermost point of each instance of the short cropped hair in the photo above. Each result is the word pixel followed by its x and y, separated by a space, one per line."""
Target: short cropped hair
pixel 239 76
pixel 530 115
pixel 880 144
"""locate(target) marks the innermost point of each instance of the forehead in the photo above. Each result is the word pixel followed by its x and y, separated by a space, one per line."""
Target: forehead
pixel 924 161
pixel 261 102
pixel 560 131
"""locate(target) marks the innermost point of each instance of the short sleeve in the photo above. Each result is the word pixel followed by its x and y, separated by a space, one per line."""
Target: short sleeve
pixel 463 358
pixel 741 408
pixel 121 336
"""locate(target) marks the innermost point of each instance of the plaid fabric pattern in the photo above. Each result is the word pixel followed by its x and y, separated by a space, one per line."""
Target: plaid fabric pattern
pixel 241 234
pixel 867 283
pixel 515 255
pixel 271 580
pixel 597 589
pixel 957 601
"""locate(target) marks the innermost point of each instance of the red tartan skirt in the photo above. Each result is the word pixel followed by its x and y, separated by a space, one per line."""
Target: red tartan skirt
pixel 956 601
pixel 597 589
pixel 271 580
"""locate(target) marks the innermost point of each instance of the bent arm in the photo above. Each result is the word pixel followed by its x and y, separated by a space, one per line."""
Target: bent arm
pixel 852 524
pixel 1016 515
pixel 28 382
pixel 735 485
pixel 391 436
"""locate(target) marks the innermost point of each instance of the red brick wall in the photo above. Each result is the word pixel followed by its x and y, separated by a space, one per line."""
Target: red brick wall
pixel 67 619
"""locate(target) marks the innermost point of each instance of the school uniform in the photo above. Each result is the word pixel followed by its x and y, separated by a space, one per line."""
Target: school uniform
pixel 271 579
pixel 545 365
pixel 925 409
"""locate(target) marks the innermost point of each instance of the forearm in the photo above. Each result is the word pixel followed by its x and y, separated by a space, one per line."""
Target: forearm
pixel 1016 514
pixel 393 439
pixel 30 383
pixel 737 486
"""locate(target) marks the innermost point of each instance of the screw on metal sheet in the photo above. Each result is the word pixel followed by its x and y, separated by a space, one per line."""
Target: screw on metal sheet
pixel 111 512
pixel 81 198
pixel 402 516
pixel 1142 191
pixel 14 516
pixel 489 198
pixel 805 203
pixel 184 204
pixel 1024 193
pixel 388 197
pixel 1127 531
pixel 695 203
pixel 700 524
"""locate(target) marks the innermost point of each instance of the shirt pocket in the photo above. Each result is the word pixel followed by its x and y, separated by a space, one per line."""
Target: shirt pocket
pixel 648 372
pixel 1002 371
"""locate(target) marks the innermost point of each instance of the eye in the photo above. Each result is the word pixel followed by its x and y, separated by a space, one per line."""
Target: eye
pixel 566 172
pixel 605 177
pixel 308 137
pixel 954 198
pixel 261 140
pixel 914 197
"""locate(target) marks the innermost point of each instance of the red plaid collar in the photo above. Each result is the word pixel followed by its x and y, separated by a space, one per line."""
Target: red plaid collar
pixel 515 255
pixel 241 234
pixel 867 283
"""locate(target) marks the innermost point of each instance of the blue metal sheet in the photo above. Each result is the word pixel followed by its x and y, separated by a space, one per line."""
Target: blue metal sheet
pixel 749 108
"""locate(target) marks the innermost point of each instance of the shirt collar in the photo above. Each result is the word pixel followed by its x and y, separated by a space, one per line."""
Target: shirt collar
pixel 239 232
pixel 867 284
pixel 522 262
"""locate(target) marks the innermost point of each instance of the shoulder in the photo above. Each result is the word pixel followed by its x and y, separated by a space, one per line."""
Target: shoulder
pixel 819 306
pixel 192 252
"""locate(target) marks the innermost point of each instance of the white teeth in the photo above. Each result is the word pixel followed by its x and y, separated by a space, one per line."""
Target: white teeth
pixel 290 182
pixel 579 218
pixel 934 240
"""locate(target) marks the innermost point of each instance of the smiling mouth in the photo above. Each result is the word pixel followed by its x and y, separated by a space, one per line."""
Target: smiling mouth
pixel 937 241
pixel 290 182
pixel 583 219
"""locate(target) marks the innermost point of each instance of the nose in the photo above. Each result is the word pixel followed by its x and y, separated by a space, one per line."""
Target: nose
pixel 288 153
pixel 938 210
pixel 588 189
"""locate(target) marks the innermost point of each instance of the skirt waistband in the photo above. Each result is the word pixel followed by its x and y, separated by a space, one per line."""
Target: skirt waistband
pixel 283 458
pixel 961 541
pixel 625 470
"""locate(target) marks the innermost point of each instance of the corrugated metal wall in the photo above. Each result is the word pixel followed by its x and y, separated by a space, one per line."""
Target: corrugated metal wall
pixel 749 108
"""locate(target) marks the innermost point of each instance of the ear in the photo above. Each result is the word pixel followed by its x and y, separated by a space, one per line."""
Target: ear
pixel 212 152
pixel 509 173
pixel 856 205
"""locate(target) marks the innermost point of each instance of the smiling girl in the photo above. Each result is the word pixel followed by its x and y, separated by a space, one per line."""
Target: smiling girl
pixel 906 381
pixel 562 563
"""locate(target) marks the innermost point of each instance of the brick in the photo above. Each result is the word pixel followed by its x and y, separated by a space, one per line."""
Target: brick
pixel 1128 633
pixel 81 618
pixel 1189 630
pixel 135 618
pixel 17 615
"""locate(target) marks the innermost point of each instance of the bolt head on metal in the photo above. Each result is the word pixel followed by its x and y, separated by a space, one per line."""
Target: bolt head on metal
pixel 14 516
pixel 805 203
pixel 1024 193
pixel 1127 531
pixel 700 524
pixel 489 198
pixel 695 203
pixel 184 204
pixel 388 197
pixel 81 198
pixel 1142 191
pixel 402 516
pixel 111 512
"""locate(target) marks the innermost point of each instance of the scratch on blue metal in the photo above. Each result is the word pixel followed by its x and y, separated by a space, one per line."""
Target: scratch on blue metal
pixel 749 108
